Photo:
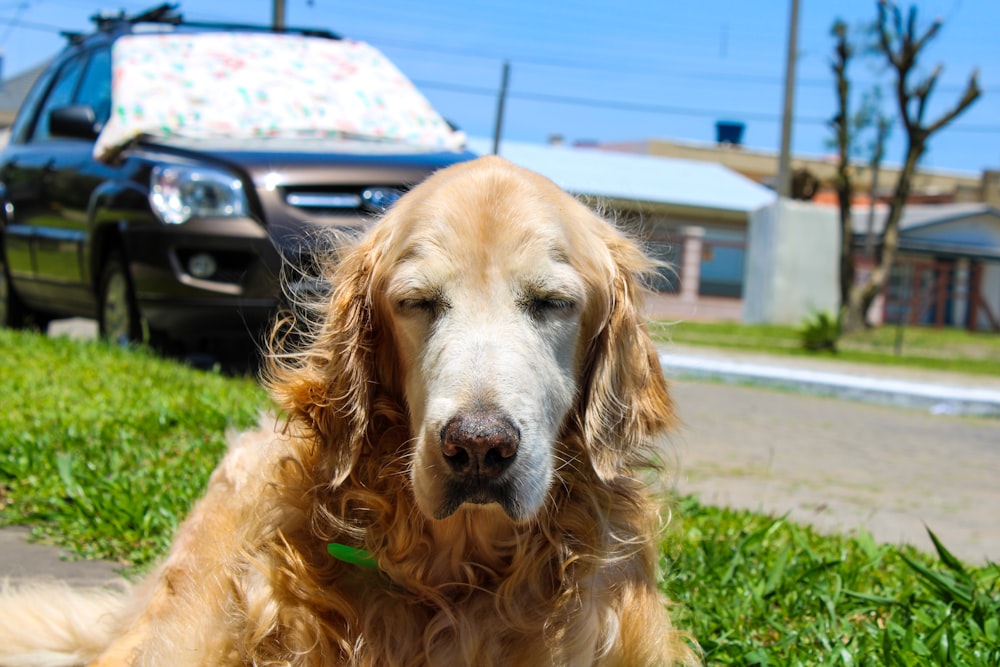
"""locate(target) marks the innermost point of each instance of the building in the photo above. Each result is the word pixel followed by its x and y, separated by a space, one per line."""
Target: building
pixel 929 186
pixel 14 90
pixel 947 271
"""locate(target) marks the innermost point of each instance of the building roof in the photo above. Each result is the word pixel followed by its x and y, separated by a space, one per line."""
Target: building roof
pixel 916 216
pixel 638 178
pixel 966 239
pixel 762 165
pixel 15 89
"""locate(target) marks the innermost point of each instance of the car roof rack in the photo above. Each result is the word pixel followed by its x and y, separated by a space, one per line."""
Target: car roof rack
pixel 168 14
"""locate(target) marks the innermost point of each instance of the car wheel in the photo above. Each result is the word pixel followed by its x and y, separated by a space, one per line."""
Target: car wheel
pixel 119 320
pixel 12 312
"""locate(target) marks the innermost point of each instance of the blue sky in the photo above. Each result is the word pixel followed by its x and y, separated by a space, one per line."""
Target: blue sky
pixel 612 71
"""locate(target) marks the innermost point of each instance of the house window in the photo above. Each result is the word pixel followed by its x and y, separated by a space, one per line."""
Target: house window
pixel 723 254
pixel 924 291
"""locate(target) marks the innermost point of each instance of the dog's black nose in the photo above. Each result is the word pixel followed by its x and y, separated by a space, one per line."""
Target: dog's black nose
pixel 480 444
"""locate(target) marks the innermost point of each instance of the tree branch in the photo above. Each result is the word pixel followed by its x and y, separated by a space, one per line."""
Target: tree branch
pixel 884 38
pixel 972 92
pixel 922 92
pixel 927 36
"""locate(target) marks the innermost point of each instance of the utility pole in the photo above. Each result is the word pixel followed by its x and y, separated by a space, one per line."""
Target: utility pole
pixel 278 15
pixel 501 100
pixel 784 184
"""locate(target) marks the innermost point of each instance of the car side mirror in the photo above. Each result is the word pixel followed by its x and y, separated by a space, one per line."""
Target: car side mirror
pixel 76 121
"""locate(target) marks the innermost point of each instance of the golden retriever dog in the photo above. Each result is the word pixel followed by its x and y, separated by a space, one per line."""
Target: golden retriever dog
pixel 455 479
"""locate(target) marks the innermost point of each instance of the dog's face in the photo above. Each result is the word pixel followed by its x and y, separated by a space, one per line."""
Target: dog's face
pixel 503 314
pixel 486 309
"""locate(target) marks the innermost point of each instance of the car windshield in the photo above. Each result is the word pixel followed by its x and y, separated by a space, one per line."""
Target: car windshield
pixel 248 85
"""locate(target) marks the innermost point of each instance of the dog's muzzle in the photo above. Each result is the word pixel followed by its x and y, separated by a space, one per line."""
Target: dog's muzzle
pixel 479 449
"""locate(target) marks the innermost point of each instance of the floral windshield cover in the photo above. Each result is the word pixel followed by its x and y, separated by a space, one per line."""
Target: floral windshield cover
pixel 239 85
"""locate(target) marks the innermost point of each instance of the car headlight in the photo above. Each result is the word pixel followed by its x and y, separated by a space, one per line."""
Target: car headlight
pixel 179 193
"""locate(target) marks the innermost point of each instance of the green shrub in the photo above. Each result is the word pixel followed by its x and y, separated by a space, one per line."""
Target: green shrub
pixel 820 332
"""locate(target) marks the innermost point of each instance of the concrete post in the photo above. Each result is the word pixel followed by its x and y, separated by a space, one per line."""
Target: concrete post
pixel 690 268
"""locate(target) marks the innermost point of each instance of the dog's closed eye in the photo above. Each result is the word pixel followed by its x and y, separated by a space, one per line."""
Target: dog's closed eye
pixel 543 298
pixel 431 303
pixel 552 305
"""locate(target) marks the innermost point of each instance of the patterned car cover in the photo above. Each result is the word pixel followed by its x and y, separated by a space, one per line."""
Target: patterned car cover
pixel 221 85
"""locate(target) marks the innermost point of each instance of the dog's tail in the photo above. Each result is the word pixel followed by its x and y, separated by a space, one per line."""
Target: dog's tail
pixel 56 625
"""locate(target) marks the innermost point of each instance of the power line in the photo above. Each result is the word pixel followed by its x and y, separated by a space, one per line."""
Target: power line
pixel 21 7
pixel 588 102
pixel 643 107
pixel 31 25
pixel 710 75
pixel 704 75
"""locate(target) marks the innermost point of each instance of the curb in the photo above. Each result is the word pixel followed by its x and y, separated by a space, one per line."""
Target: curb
pixel 935 398
pixel 25 562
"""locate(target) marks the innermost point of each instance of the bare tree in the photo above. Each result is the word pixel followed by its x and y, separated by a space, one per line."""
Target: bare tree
pixel 848 127
pixel 900 43
pixel 844 136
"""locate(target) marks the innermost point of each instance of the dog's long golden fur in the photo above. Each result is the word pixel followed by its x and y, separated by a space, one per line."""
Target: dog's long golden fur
pixel 472 408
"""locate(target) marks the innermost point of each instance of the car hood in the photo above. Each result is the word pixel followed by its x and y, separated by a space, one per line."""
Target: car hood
pixel 273 162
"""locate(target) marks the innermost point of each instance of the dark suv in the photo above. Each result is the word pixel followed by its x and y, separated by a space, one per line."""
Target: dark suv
pixel 175 224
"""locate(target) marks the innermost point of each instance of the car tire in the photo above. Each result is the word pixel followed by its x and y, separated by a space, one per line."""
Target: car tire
pixel 118 317
pixel 13 314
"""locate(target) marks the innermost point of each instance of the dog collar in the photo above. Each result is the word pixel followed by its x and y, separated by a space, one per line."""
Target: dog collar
pixel 351 555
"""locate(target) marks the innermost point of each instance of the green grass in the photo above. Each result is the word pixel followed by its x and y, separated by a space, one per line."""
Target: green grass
pixel 758 590
pixel 925 348
pixel 103 450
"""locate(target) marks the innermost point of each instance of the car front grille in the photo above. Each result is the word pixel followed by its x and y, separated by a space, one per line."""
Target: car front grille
pixel 333 201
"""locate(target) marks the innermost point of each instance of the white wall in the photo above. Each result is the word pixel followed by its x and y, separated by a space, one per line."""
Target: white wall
pixel 791 263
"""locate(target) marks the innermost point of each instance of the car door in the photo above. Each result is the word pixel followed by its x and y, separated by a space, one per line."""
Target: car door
pixel 57 176
pixel 61 236
pixel 19 185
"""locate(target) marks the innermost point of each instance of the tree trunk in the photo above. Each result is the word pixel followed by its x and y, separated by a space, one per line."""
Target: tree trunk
pixel 852 311
pixel 848 318
pixel 860 298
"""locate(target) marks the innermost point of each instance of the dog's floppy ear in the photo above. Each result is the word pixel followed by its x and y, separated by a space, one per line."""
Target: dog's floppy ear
pixel 624 402
pixel 325 382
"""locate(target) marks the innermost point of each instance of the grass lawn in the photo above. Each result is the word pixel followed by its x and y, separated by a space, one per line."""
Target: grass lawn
pixel 926 348
pixel 103 451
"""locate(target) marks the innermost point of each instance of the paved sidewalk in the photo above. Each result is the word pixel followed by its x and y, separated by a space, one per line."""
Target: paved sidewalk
pixel 772 434
pixel 22 561
pixel 939 392
pixel 841 465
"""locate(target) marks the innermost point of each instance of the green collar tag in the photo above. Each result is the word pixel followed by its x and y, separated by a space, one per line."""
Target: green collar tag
pixel 347 554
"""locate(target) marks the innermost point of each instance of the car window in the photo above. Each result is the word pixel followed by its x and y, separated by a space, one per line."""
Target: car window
pixel 95 87
pixel 19 130
pixel 59 95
